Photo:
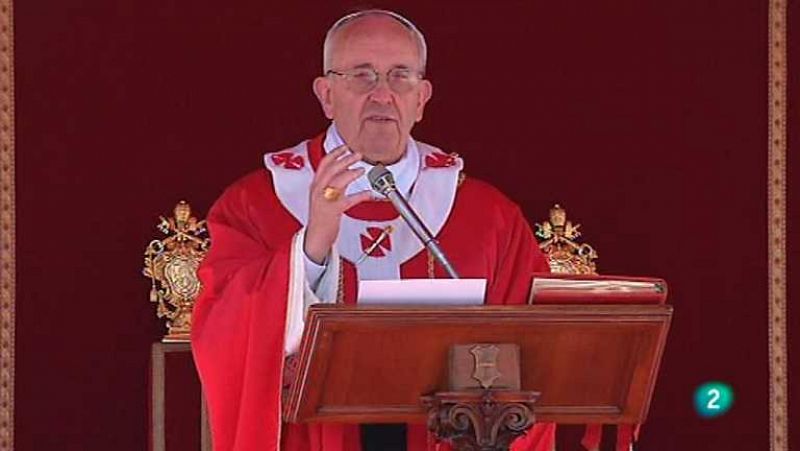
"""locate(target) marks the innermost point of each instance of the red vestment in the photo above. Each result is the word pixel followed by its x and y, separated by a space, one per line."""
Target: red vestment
pixel 239 320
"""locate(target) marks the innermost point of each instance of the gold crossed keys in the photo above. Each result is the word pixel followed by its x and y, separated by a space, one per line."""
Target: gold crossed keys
pixel 559 242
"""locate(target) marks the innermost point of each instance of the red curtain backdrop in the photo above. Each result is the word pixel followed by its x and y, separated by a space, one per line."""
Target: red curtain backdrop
pixel 646 120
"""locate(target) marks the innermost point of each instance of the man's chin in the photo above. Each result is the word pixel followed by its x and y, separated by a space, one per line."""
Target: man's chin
pixel 382 151
pixel 383 148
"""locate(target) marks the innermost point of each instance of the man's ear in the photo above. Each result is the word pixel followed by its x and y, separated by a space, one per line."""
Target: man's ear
pixel 425 93
pixel 322 89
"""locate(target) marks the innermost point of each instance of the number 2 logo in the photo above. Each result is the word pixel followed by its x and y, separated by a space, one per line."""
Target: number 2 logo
pixel 714 396
pixel 713 399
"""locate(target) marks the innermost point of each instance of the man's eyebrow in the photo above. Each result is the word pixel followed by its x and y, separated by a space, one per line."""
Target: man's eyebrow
pixel 370 66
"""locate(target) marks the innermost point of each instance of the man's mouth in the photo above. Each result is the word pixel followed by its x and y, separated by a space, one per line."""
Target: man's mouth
pixel 380 118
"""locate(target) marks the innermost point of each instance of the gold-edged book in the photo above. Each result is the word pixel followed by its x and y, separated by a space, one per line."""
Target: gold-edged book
pixel 548 288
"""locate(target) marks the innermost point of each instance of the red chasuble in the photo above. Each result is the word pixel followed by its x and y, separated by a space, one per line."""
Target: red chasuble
pixel 239 322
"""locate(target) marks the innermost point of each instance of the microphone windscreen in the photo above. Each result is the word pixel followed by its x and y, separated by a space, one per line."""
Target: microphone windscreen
pixel 380 178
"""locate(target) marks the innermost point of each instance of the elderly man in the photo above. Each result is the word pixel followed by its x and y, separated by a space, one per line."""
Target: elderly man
pixel 308 227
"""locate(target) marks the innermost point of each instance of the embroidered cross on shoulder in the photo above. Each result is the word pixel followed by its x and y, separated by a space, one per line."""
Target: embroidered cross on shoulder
pixel 440 160
pixel 288 160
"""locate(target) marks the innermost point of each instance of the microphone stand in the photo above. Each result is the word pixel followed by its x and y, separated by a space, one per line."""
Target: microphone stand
pixel 382 181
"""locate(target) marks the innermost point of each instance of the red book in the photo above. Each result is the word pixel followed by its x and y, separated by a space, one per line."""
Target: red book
pixel 549 288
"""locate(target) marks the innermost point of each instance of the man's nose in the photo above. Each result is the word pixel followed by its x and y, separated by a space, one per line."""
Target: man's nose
pixel 382 93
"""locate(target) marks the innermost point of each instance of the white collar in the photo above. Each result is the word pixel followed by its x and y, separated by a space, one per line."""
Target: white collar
pixel 405 171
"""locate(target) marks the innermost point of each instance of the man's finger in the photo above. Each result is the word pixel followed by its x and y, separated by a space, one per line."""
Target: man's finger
pixel 323 177
pixel 331 157
pixel 356 198
pixel 344 162
pixel 345 178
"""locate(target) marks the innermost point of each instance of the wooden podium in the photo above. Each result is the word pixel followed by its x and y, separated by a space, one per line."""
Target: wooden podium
pixel 577 364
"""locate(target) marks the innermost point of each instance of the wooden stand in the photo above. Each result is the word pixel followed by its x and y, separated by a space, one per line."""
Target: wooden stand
pixel 158 404
pixel 591 364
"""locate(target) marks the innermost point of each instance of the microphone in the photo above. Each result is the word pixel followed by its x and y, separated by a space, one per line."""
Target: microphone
pixel 382 181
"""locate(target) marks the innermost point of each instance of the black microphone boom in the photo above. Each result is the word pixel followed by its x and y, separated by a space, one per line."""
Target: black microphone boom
pixel 382 181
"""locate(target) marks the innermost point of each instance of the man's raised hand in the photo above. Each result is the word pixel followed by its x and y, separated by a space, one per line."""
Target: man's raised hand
pixel 327 201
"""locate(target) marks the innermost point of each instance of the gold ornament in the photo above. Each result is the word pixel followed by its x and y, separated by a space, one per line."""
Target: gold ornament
pixel 171 264
pixel 564 254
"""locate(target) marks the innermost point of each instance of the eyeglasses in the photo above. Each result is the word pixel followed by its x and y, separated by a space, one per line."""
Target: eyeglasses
pixel 364 80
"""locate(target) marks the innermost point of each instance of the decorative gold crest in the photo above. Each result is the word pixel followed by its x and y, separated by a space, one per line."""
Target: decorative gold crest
pixel 171 264
pixel 558 241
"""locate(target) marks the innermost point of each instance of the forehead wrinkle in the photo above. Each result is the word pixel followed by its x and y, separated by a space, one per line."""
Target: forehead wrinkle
pixel 368 28
pixel 370 66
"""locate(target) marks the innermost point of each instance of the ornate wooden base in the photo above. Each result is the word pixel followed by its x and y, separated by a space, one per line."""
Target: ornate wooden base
pixel 480 420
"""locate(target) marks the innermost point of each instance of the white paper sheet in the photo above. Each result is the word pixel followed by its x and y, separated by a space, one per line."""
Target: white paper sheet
pixel 422 292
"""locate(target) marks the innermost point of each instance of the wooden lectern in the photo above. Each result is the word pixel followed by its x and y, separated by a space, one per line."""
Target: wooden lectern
pixel 577 364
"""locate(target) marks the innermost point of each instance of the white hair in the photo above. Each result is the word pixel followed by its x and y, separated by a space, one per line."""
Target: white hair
pixel 327 48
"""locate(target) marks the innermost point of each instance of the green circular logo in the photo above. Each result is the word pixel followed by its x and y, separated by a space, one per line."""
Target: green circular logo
pixel 713 399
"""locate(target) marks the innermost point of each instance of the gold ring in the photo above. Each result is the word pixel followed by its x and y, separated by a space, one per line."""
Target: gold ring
pixel 331 194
